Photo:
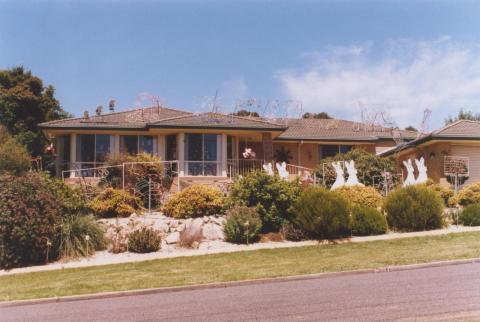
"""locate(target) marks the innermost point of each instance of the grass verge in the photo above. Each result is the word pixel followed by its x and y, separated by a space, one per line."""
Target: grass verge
pixel 239 266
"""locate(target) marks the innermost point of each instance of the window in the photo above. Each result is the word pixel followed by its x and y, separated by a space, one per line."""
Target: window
pixel 92 150
pixel 171 153
pixel 201 154
pixel 134 144
pixel 330 150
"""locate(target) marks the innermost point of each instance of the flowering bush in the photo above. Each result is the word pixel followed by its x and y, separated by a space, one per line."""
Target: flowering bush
pixel 30 216
pixel 195 201
pixel 114 203
pixel 361 196
pixel 468 195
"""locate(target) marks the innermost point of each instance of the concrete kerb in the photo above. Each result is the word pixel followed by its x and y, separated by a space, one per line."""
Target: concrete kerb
pixel 106 295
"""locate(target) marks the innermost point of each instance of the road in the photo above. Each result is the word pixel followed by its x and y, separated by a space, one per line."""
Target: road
pixel 447 293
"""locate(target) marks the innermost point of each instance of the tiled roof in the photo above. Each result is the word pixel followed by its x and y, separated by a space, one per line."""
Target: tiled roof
pixel 459 130
pixel 463 128
pixel 132 119
pixel 334 129
pixel 216 120
pixel 293 129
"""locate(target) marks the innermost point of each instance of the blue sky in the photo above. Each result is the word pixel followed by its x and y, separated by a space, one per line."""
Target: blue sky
pixel 334 56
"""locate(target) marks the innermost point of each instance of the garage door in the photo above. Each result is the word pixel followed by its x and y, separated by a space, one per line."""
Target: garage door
pixel 473 153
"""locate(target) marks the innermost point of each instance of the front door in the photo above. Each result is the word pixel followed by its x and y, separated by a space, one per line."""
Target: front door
pixel 201 154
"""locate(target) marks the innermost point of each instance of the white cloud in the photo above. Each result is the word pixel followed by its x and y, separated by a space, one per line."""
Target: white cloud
pixel 401 76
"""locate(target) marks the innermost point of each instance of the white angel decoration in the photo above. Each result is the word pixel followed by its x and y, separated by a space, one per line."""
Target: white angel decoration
pixel 340 180
pixel 422 171
pixel 352 174
pixel 410 179
pixel 282 170
pixel 268 168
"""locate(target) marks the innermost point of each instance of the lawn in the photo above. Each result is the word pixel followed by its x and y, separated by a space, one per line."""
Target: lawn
pixel 239 266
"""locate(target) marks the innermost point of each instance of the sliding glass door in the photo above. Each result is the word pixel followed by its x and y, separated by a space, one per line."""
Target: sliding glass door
pixel 201 154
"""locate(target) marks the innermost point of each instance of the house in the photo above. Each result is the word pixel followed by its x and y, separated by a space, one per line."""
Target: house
pixel 451 150
pixel 208 145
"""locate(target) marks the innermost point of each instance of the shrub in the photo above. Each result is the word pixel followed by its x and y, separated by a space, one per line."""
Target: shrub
pixel 368 221
pixel 14 157
pixel 470 216
pixel 144 240
pixel 468 195
pixel 191 235
pixel 117 237
pixel 321 213
pixel 69 197
pixel 361 196
pixel 30 217
pixel 445 193
pixel 272 197
pixel 368 165
pixel 74 241
pixel 195 201
pixel 243 225
pixel 114 203
pixel 414 208
pixel 293 233
pixel 137 173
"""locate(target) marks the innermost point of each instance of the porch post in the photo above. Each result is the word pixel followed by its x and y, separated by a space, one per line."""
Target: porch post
pixel 73 153
pixel 267 147
pixel 161 147
pixel 223 158
pixel 181 154
pixel 116 147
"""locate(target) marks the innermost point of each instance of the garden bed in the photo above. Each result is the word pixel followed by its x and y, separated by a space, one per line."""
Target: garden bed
pixel 214 247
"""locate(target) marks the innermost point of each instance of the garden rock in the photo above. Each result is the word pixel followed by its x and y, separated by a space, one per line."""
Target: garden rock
pixel 212 231
pixel 173 238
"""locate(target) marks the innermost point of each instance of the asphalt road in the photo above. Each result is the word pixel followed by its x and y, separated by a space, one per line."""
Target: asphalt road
pixel 448 293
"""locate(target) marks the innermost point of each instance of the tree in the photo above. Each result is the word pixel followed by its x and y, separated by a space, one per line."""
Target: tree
pixel 411 128
pixel 25 102
pixel 321 115
pixel 246 113
pixel 14 157
pixel 463 115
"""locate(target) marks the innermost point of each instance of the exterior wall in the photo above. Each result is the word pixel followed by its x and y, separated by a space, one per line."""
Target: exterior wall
pixel 306 154
pixel 473 153
pixel 434 155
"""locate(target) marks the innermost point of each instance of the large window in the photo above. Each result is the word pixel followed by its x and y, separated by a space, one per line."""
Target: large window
pixel 92 149
pixel 201 154
pixel 330 150
pixel 134 144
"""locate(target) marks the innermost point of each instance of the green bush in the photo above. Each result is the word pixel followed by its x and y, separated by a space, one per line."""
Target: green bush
pixel 322 214
pixel 470 216
pixel 361 196
pixel 137 175
pixel 445 193
pixel 74 241
pixel 195 201
pixel 369 166
pixel 14 157
pixel 114 203
pixel 243 225
pixel 368 221
pixel 69 197
pixel 272 197
pixel 144 240
pixel 30 217
pixel 468 195
pixel 414 208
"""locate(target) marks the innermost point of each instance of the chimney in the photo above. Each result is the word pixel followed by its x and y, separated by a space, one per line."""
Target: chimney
pixel 85 115
pixel 98 111
pixel 111 106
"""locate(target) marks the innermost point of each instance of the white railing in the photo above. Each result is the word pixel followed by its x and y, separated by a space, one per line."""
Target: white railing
pixel 242 167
